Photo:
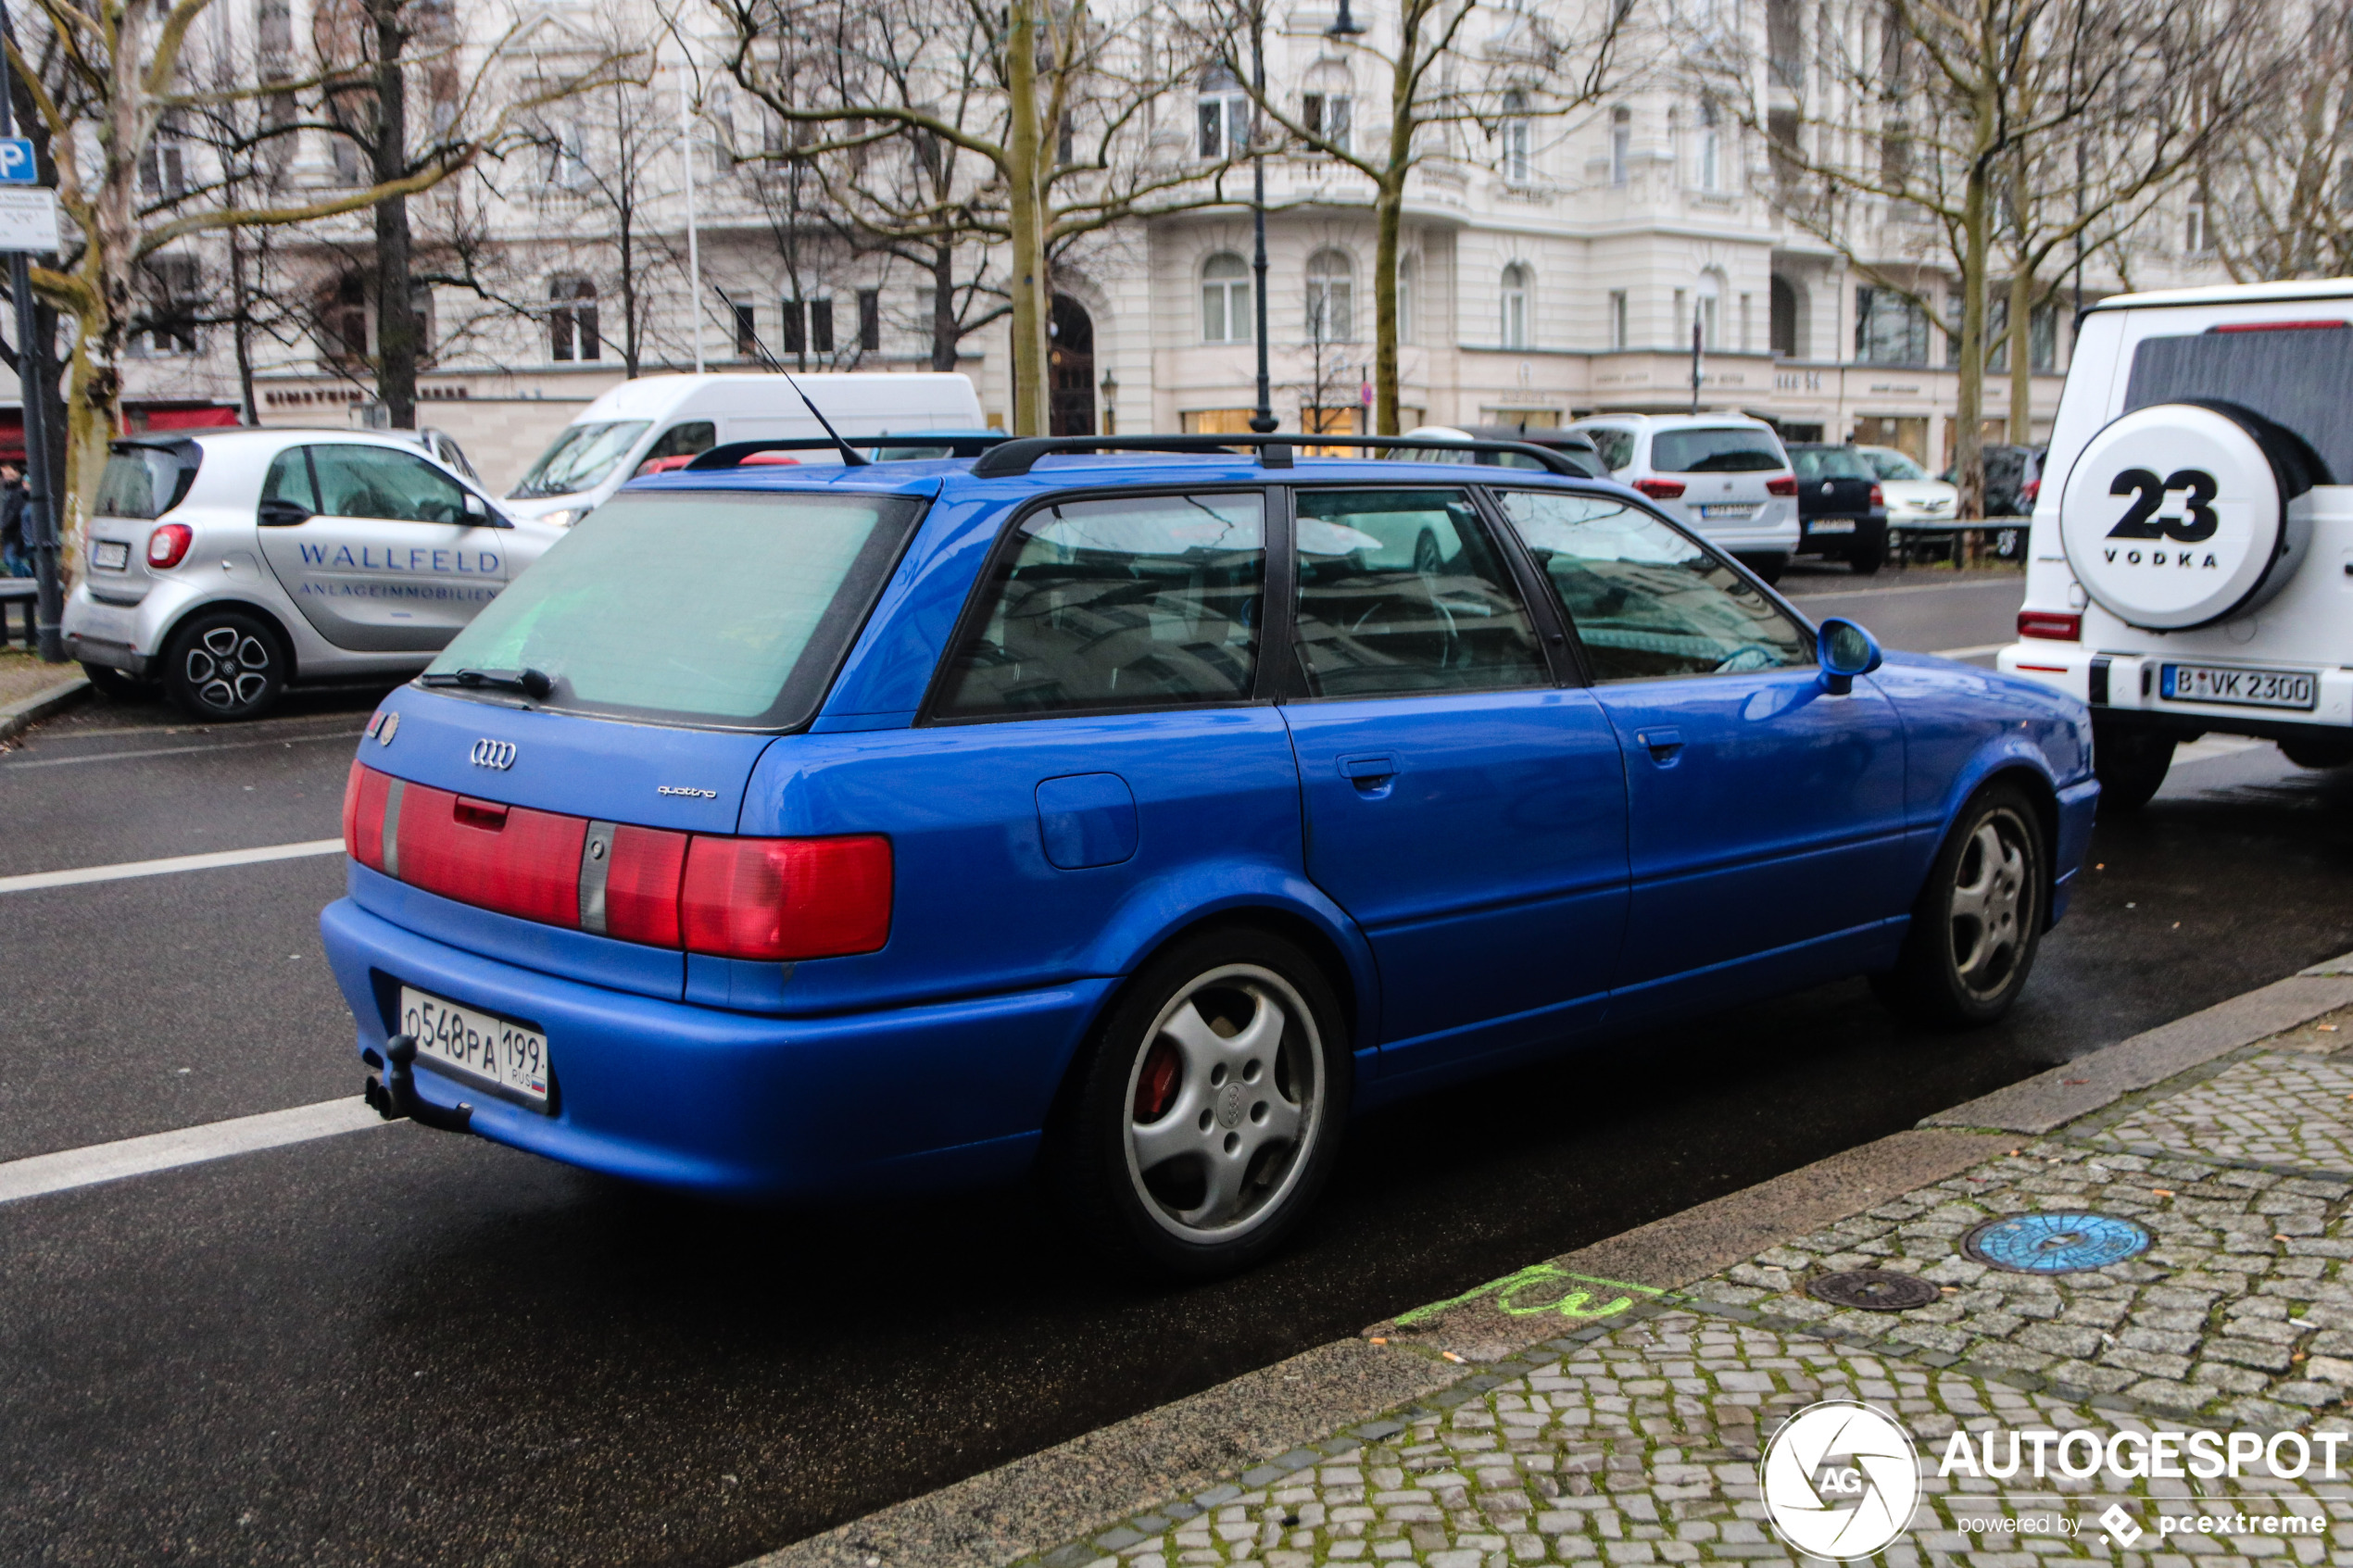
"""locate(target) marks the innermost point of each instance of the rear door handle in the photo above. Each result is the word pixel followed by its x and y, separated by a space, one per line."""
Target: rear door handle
pixel 1664 745
pixel 1367 771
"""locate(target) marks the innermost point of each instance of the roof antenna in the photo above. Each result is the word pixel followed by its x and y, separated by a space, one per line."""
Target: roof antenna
pixel 849 458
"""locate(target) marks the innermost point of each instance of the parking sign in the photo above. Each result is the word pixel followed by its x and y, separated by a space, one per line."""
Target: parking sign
pixel 17 164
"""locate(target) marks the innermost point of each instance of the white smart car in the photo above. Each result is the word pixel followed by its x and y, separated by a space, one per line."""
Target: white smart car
pixel 226 565
pixel 2191 560
pixel 1724 476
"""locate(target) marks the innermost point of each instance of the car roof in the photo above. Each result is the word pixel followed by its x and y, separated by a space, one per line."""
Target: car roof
pixel 1060 472
pixel 1727 420
pixel 2231 294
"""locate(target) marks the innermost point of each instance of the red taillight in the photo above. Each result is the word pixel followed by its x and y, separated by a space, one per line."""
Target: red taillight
pixel 1659 489
pixel 2051 625
pixel 641 885
pixel 786 898
pixel 2029 490
pixel 1781 484
pixel 510 859
pixel 1879 496
pixel 167 545
pixel 363 816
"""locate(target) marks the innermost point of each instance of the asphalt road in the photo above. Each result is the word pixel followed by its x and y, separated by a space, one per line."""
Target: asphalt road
pixel 399 1347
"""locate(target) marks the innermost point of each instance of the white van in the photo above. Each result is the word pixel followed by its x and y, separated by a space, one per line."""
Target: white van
pixel 657 417
pixel 2191 561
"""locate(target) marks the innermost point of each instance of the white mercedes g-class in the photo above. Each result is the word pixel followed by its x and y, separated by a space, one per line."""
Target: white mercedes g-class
pixel 2190 568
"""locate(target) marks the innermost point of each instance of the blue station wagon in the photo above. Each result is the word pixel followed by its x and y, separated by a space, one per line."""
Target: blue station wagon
pixel 793 831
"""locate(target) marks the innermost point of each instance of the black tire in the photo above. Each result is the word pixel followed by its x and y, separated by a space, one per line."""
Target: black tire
pixel 1769 568
pixel 1158 1216
pixel 1867 561
pixel 117 685
pixel 1978 922
pixel 223 666
pixel 2131 764
pixel 2317 752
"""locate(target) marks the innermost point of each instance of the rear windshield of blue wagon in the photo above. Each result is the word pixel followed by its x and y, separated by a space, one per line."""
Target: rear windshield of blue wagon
pixel 719 609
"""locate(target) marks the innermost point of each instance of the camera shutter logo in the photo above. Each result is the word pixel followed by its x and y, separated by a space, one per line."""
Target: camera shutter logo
pixel 498 754
pixel 1841 1480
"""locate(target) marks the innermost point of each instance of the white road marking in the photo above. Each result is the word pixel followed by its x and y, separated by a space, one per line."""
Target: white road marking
pixel 173 750
pixel 33 880
pixel 1977 652
pixel 2220 745
pixel 2016 584
pixel 187 1146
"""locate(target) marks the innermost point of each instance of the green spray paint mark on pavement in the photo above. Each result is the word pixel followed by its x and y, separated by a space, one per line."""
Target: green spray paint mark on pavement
pixel 1512 1294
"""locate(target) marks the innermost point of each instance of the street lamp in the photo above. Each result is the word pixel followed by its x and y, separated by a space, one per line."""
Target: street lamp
pixel 1346 26
pixel 1262 419
pixel 1111 402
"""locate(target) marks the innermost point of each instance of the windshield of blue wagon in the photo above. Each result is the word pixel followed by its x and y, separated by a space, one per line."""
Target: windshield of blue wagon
pixel 697 607
pixel 578 458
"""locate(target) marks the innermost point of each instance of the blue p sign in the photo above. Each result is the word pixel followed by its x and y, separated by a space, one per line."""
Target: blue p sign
pixel 17 165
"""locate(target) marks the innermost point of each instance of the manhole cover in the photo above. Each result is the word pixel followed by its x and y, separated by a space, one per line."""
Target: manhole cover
pixel 2055 1244
pixel 1874 1290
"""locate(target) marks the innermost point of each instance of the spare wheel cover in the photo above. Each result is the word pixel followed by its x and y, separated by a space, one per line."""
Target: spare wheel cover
pixel 2177 515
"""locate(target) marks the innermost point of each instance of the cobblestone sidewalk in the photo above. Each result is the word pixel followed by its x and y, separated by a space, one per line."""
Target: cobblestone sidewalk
pixel 1635 1437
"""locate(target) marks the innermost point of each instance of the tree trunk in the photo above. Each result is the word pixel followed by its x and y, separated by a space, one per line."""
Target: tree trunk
pixel 944 334
pixel 1969 463
pixel 2021 335
pixel 1026 220
pixel 397 346
pixel 1387 207
pixel 241 326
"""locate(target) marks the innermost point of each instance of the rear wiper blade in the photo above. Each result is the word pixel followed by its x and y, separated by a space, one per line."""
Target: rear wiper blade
pixel 531 682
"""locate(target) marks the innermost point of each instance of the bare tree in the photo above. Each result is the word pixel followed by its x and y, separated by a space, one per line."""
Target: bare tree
pixel 1936 135
pixel 2275 193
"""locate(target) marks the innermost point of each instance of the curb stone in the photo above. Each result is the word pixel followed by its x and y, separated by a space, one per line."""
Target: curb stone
pixel 22 715
pixel 1106 1492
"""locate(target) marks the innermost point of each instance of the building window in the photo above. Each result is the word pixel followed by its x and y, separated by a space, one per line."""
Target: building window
pixel 793 334
pixel 1711 331
pixel 567 156
pixel 1224 299
pixel 1621 145
pixel 1225 123
pixel 869 319
pixel 1331 294
pixel 1328 115
pixel 820 326
pixel 1745 339
pixel 1405 270
pixel 1781 327
pixel 1515 322
pixel 1618 326
pixel 1066 140
pixel 571 320
pixel 1711 147
pixel 1517 136
pixel 163 168
pixel 344 321
pixel 1889 328
pixel 746 332
pixel 171 306
pixel 2195 239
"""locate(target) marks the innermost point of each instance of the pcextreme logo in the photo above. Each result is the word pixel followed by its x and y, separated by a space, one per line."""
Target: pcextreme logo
pixel 1841 1480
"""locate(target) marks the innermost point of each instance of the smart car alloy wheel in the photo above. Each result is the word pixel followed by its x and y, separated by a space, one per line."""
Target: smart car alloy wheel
pixel 1206 1123
pixel 223 665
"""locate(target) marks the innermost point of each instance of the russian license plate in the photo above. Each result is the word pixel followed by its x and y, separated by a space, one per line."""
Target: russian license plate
pixel 112 554
pixel 2247 689
pixel 1729 509
pixel 498 1051
pixel 1831 525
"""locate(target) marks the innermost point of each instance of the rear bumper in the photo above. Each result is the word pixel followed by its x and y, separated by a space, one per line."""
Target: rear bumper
pixel 731 1103
pixel 2124 691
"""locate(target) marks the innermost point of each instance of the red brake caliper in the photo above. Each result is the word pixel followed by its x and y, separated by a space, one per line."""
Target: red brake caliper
pixel 1156 1084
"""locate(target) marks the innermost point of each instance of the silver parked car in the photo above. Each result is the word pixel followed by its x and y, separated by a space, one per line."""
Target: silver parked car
pixel 227 565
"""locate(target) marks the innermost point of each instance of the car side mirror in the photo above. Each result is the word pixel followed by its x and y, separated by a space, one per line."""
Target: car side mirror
pixel 277 512
pixel 1845 651
pixel 481 512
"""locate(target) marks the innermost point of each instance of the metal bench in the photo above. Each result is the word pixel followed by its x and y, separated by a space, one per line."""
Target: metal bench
pixel 18 591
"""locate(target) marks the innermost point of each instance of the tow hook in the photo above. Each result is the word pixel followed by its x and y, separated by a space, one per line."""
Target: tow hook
pixel 391 1090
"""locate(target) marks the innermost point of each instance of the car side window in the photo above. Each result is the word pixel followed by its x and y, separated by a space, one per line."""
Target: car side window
pixel 1616 445
pixel 1145 601
pixel 1646 601
pixel 376 481
pixel 1402 591
pixel 289 480
pixel 684 441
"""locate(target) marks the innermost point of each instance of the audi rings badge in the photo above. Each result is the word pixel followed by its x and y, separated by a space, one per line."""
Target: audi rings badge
pixel 498 754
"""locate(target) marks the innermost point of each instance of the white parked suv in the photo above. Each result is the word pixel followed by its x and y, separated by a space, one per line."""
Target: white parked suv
pixel 2191 560
pixel 1724 476
pixel 225 565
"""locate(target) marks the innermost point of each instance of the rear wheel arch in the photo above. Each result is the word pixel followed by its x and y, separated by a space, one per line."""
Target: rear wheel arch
pixel 2040 794
pixel 269 618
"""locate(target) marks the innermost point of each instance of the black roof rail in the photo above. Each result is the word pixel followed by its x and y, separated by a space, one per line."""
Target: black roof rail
pixel 1020 454
pixel 960 443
